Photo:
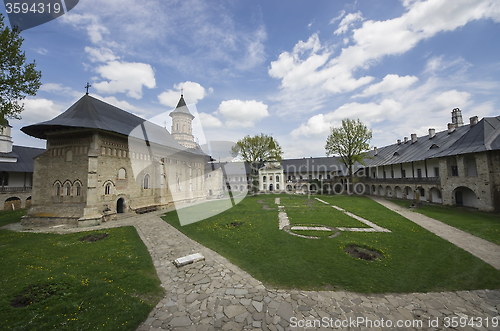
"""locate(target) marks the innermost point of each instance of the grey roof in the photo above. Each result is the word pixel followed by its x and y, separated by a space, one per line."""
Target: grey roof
pixel 91 113
pixel 24 156
pixel 312 164
pixel 483 136
pixel 181 108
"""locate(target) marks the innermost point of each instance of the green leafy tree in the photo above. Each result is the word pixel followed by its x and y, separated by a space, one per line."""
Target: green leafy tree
pixel 256 150
pixel 350 142
pixel 17 78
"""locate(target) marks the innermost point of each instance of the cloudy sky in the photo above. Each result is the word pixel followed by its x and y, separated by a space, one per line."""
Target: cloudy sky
pixel 292 69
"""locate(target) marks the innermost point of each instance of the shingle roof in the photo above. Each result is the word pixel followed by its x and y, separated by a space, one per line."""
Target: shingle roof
pixel 312 164
pixel 483 136
pixel 91 113
pixel 24 162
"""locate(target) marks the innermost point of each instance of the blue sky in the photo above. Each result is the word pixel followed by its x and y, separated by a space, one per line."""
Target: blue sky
pixel 292 69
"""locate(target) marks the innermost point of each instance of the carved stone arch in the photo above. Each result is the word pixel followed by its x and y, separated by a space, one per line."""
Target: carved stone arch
pixel 108 187
pixel 67 188
pixel 122 173
pixel 57 191
pixel 77 188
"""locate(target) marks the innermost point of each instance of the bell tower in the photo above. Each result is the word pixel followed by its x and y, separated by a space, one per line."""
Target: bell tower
pixel 182 127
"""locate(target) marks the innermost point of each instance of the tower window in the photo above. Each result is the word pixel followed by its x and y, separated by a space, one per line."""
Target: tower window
pixel 107 189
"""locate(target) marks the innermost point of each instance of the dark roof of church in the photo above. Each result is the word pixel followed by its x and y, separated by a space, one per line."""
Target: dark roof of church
pixel 91 113
pixel 484 136
pixel 181 108
pixel 24 157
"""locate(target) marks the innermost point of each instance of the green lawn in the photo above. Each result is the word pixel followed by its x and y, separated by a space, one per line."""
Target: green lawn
pixel 303 211
pixel 482 224
pixel 11 216
pixel 415 260
pixel 110 284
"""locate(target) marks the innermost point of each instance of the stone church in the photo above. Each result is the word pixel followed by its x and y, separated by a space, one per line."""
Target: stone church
pixel 101 161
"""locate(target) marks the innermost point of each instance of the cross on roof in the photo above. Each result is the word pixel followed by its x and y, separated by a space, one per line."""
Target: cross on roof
pixel 182 91
pixel 87 87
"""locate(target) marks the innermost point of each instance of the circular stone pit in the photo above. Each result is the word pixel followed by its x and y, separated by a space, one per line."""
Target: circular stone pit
pixel 363 253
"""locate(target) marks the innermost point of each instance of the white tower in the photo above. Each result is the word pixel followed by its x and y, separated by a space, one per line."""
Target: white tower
pixel 182 128
pixel 5 139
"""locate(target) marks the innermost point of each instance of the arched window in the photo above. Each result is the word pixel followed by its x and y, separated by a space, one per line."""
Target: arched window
pixel 264 178
pixel 67 189
pixel 78 189
pixel 57 189
pixel 69 155
pixel 107 189
pixel 146 182
pixel 277 179
pixel 122 173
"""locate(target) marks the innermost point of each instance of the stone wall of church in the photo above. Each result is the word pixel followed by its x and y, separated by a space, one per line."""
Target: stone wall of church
pixel 60 180
pixel 79 180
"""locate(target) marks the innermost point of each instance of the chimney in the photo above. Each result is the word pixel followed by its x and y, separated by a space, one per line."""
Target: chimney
pixel 456 117
pixel 413 138
pixel 473 120
pixel 399 141
pixel 451 127
pixel 406 140
pixel 432 133
pixel 375 150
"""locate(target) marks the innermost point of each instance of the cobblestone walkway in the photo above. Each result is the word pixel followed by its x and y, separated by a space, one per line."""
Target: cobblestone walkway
pixel 483 249
pixel 217 295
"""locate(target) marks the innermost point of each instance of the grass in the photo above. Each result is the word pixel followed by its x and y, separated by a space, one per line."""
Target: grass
pixel 109 284
pixel 11 216
pixel 481 224
pixel 415 260
pixel 306 211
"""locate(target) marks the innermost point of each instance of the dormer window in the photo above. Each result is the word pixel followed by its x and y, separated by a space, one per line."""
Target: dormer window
pixel 434 146
pixel 395 154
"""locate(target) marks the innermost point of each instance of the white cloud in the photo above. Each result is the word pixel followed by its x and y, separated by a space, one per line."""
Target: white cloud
pixel 368 113
pixel 125 77
pixel 209 121
pixel 91 22
pixel 100 54
pixel 39 110
pixel 60 89
pixel 41 51
pixel 311 66
pixel 240 113
pixel 193 92
pixel 340 15
pixel 452 99
pixel 388 84
pixel 347 22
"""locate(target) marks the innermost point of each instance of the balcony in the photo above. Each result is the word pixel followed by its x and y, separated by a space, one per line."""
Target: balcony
pixel 410 180
pixel 8 189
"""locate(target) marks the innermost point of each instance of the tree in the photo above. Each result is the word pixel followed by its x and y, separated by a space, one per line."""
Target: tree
pixel 350 142
pixel 256 150
pixel 17 78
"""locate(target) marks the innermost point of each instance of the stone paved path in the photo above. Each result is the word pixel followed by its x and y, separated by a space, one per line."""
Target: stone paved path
pixel 483 249
pixel 217 295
